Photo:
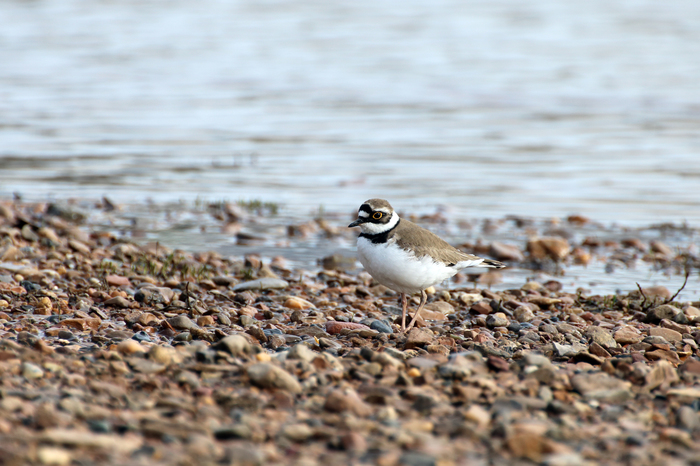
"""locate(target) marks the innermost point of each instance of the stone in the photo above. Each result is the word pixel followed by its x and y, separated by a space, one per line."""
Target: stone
pixel 130 346
pixel 205 321
pixel 657 292
pixel 658 313
pixel 662 373
pixel 542 248
pixel 381 326
pixel 665 333
pixel 627 336
pixel 687 418
pixel 498 319
pixel 53 456
pixel 235 345
pixel 296 303
pixel 262 284
pixel 181 322
pixel 346 400
pixel 117 280
pixel 601 336
pixel 505 252
pixel 31 371
pixel 602 387
pixel 118 301
pixel 298 432
pixel 267 375
pixel 334 327
pixel 440 306
pixel 417 338
pixel 481 307
pixel 302 352
pixel 523 314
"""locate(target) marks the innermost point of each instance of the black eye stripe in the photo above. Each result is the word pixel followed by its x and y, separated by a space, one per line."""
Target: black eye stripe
pixel 366 208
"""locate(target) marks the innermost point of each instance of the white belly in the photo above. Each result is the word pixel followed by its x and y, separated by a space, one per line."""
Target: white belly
pixel 399 270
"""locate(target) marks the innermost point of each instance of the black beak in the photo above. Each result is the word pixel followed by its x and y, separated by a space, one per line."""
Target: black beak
pixel 357 222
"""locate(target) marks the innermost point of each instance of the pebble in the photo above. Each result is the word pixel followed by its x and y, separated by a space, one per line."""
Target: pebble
pixel 267 375
pixel 31 371
pixel 262 284
pixel 562 378
pixel 53 456
pixel 381 326
pixel 658 313
pixel 130 346
pixel 498 319
pixel 181 322
pixel 418 337
pixel 296 303
pixel 235 345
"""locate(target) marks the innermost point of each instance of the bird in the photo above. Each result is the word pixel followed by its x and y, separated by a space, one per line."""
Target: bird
pixel 405 257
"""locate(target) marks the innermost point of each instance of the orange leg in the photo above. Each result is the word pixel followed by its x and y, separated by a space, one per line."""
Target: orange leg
pixel 423 299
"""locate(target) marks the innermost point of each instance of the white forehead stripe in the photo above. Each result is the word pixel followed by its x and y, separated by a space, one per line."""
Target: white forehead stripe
pixel 362 213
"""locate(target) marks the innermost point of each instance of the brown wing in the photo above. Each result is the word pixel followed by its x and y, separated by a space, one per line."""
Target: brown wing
pixel 409 233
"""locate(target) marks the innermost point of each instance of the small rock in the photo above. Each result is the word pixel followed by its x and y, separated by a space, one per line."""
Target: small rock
pixel 31 371
pixel 333 327
pixel 523 314
pixel 662 373
pixel 381 326
pixel 417 338
pixel 657 292
pixel 440 306
pixel 236 345
pixel 302 352
pixel 262 284
pixel 130 346
pixel 498 319
pixel 665 333
pixel 601 336
pixel 687 418
pixel 627 336
pixel 53 456
pixel 505 252
pixel 181 322
pixel 665 311
pixel 118 301
pixel 298 432
pixel 205 321
pixel 601 386
pixel 296 303
pixel 548 247
pixel 160 355
pixel 266 375
pixel 117 280
pixel 342 400
pixel 481 307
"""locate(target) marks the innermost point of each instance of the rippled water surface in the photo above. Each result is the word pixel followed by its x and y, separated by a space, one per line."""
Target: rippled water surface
pixel 540 108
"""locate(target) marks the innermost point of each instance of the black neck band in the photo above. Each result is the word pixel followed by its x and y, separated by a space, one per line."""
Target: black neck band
pixel 382 237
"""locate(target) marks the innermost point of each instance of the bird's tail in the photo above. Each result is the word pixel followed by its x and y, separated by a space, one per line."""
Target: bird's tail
pixel 490 263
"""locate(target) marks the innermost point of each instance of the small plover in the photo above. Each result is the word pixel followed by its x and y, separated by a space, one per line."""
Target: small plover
pixel 406 257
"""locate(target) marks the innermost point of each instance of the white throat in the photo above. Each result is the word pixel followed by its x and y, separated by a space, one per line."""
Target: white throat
pixel 374 228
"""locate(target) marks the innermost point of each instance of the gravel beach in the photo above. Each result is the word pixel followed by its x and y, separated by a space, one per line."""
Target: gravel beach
pixel 116 352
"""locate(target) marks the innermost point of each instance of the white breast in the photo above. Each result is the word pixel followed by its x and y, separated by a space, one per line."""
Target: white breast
pixel 400 270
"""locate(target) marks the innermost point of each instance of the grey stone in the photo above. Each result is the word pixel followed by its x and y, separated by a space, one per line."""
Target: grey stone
pixel 181 322
pixel 266 375
pixel 262 284
pixel 236 345
pixel 381 326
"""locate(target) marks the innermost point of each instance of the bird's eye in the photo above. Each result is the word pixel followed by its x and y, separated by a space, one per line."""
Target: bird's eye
pixel 377 215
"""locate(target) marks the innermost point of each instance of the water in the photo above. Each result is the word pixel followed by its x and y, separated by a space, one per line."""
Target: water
pixel 541 109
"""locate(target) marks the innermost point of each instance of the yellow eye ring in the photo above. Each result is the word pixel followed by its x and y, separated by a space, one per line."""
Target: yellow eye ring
pixel 377 215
